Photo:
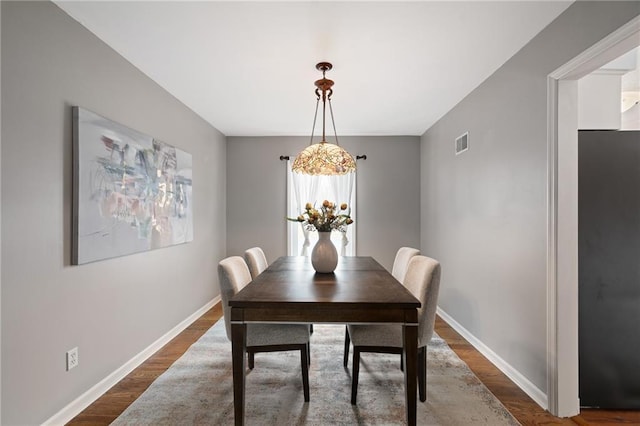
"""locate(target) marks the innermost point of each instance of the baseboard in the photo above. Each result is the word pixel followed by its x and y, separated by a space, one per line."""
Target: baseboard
pixel 87 398
pixel 521 381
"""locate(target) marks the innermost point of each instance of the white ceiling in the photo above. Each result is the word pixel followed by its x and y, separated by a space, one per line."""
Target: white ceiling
pixel 248 67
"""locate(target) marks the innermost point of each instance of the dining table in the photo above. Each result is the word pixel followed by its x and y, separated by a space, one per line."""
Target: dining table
pixel 359 291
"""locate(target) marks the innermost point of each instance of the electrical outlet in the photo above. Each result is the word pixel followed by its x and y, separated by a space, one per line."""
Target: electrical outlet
pixel 72 358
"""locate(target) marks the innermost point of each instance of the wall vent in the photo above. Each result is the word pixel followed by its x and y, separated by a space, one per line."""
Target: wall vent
pixel 462 143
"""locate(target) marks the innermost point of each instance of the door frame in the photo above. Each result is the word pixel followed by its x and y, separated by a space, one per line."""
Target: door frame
pixel 562 215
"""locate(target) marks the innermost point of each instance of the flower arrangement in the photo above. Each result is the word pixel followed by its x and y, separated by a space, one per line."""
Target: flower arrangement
pixel 325 219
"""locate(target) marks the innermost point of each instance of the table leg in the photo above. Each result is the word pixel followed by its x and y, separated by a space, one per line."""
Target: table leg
pixel 410 356
pixel 238 350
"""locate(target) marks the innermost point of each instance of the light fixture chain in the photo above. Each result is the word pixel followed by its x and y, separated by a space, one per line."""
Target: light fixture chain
pixel 333 121
pixel 315 116
pixel 324 109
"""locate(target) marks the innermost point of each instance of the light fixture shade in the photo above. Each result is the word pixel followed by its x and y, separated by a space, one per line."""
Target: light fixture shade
pixel 324 159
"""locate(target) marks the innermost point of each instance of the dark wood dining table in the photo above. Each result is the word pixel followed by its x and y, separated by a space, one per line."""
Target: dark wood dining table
pixel 360 290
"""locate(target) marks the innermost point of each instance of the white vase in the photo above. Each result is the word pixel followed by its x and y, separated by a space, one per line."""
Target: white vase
pixel 324 256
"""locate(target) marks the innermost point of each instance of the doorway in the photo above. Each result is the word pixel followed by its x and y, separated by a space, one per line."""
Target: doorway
pixel 562 241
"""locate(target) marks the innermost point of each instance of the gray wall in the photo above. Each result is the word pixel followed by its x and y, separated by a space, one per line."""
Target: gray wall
pixel 483 213
pixel 111 309
pixel 387 186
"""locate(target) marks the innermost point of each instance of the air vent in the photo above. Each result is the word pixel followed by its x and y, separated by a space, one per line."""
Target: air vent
pixel 462 143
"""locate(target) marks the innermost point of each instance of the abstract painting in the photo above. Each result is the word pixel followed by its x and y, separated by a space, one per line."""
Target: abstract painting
pixel 131 192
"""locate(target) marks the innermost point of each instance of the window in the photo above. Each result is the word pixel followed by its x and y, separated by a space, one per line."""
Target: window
pixel 302 189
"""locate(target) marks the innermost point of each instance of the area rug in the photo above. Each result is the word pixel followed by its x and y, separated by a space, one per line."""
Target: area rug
pixel 198 388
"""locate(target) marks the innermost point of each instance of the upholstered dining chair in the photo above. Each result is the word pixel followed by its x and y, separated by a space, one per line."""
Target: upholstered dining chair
pixel 423 281
pixel 256 260
pixel 399 269
pixel 401 262
pixel 233 274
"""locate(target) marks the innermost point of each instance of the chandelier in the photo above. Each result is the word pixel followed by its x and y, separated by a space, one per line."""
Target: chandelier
pixel 324 158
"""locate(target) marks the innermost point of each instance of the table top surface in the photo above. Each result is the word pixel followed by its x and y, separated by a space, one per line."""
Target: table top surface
pixel 291 281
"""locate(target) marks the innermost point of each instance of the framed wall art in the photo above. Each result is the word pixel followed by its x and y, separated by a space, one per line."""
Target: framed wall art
pixel 131 192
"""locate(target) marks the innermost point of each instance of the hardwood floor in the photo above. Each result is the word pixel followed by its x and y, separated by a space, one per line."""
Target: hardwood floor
pixel 514 399
pixel 109 406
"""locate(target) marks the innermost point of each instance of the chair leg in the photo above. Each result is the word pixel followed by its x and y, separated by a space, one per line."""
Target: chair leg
pixel 308 353
pixel 311 328
pixel 347 342
pixel 304 359
pixel 401 363
pixel 250 360
pixel 422 373
pixel 354 372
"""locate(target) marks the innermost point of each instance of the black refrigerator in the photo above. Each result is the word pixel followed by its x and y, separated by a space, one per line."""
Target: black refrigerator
pixel 609 268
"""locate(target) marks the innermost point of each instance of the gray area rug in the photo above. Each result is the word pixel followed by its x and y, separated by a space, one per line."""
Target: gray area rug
pixel 198 388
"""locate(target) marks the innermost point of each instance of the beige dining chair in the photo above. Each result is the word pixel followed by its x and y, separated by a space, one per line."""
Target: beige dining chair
pixel 233 274
pixel 401 262
pixel 422 279
pixel 399 269
pixel 256 260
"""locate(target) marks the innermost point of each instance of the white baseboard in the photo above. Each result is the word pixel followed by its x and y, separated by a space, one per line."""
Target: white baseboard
pixel 521 381
pixel 87 398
